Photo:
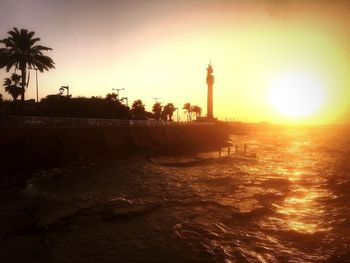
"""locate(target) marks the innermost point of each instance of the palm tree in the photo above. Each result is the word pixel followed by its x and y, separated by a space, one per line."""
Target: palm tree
pixel 187 108
pixel 169 110
pixel 157 110
pixel 197 110
pixel 138 110
pixel 112 96
pixel 12 86
pixel 21 52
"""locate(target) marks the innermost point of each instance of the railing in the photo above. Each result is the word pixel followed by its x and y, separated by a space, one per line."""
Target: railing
pixel 52 122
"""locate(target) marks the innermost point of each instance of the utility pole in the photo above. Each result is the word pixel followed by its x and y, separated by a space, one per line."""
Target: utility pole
pixel 155 100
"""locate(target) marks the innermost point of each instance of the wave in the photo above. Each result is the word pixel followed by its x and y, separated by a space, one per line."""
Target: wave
pixel 253 214
pixel 278 183
pixel 225 181
pixel 111 214
pixel 268 198
pixel 188 162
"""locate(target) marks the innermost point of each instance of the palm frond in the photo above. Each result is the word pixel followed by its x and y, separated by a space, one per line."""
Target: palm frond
pixel 32 41
pixel 20 52
pixel 7 82
pixel 40 48
pixel 12 87
pixel 43 63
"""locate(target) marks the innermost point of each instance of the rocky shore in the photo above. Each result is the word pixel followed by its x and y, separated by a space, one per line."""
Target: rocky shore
pixel 35 218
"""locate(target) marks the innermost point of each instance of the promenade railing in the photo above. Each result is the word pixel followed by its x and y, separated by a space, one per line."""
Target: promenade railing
pixel 53 122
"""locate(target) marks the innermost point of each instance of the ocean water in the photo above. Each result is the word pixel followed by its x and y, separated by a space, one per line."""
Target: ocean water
pixel 287 199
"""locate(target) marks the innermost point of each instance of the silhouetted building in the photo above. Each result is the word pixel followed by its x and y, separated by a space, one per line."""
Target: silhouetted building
pixel 210 83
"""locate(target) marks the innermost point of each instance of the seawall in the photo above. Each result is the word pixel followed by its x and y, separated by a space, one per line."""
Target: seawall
pixel 26 148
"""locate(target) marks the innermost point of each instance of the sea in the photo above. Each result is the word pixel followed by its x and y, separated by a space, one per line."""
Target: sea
pixel 280 194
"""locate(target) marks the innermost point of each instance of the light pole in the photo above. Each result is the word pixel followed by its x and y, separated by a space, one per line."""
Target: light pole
pixel 37 86
pixel 177 114
pixel 155 100
pixel 36 82
pixel 118 92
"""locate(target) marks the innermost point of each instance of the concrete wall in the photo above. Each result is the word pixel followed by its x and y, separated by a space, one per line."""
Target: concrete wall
pixel 50 146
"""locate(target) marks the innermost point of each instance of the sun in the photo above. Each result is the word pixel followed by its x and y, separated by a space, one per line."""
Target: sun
pixel 296 95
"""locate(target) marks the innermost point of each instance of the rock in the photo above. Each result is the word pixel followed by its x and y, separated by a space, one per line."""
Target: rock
pixel 30 191
pixel 128 212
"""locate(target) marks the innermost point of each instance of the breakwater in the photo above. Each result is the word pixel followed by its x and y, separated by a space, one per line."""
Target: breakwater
pixel 28 143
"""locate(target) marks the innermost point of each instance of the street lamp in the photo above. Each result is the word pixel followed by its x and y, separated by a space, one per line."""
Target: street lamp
pixel 177 114
pixel 155 100
pixel 36 82
pixel 118 92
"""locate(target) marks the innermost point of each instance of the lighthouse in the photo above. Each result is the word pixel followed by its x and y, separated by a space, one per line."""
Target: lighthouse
pixel 210 83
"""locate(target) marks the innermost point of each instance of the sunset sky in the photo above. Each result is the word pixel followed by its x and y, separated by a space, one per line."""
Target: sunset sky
pixel 160 48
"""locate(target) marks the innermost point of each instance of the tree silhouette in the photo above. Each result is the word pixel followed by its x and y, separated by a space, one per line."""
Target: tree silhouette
pixel 197 110
pixel 169 111
pixel 157 110
pixel 82 107
pixel 112 96
pixel 1 99
pixel 187 108
pixel 21 52
pixel 12 86
pixel 138 111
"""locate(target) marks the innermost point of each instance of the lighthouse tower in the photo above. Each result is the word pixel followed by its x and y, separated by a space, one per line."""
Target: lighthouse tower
pixel 210 83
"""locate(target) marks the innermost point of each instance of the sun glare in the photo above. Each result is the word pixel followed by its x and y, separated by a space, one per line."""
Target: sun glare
pixel 297 95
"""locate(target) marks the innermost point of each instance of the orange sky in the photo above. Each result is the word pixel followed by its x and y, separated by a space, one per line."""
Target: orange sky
pixel 161 49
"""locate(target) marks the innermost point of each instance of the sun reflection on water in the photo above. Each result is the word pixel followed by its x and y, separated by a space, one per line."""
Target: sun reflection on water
pixel 302 213
pixel 301 210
